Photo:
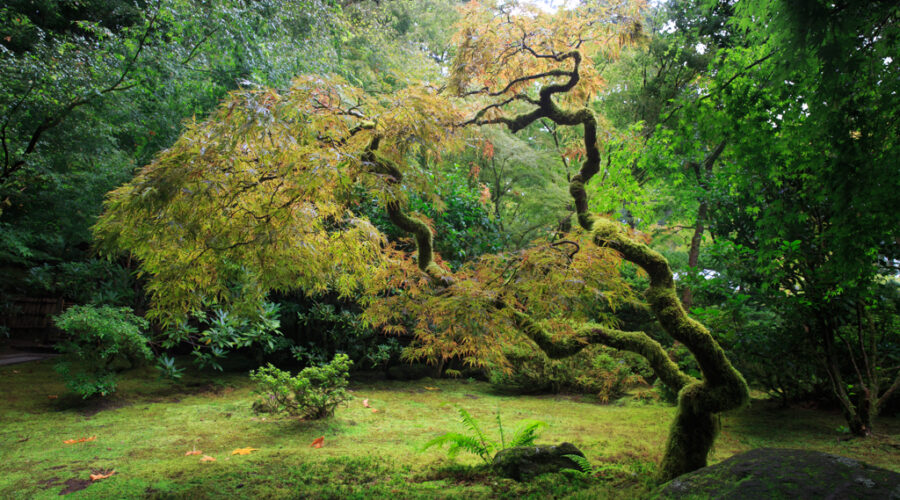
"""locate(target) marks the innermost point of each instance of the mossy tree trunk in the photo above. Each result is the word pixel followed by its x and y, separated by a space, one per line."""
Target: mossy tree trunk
pixel 722 387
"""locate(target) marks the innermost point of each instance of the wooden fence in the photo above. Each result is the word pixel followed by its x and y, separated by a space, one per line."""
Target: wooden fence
pixel 29 313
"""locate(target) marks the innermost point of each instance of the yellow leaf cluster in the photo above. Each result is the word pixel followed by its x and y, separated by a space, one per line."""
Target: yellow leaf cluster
pixel 259 197
pixel 503 45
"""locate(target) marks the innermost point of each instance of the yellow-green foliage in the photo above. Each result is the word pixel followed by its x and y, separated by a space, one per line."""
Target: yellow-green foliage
pixel 543 64
pixel 256 197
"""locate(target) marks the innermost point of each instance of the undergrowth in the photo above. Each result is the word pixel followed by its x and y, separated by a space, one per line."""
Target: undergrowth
pixel 145 429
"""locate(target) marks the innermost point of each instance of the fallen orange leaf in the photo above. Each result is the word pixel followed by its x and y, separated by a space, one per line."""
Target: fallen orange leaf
pixel 243 451
pixel 79 440
pixel 318 442
pixel 192 452
pixel 98 476
pixel 431 388
pixel 366 403
pixel 207 458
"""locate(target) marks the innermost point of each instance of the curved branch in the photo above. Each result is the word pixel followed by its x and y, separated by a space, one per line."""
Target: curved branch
pixel 591 333
pixel 722 388
pixel 420 230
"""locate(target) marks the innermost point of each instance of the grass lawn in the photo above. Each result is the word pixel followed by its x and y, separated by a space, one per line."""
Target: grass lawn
pixel 144 431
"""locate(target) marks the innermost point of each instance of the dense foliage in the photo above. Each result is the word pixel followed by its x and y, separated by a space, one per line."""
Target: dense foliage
pixel 99 342
pixel 313 393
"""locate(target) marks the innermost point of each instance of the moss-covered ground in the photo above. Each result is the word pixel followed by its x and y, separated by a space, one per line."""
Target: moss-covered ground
pixel 144 431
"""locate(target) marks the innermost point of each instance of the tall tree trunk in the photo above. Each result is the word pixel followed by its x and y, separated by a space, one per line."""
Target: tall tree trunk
pixel 687 296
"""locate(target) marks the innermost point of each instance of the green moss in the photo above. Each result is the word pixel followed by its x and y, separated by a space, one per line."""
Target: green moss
pixel 145 434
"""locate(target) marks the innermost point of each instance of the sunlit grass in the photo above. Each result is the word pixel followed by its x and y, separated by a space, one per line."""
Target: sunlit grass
pixel 150 424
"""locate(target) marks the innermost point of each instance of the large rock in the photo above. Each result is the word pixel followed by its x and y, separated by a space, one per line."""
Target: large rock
pixel 785 473
pixel 525 462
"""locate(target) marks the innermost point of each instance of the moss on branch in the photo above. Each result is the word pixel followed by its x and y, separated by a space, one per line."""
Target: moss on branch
pixel 592 333
pixel 420 231
pixel 722 388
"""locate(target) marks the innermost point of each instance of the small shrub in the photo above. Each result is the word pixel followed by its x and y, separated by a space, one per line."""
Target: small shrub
pixel 313 393
pixel 479 444
pixel 99 342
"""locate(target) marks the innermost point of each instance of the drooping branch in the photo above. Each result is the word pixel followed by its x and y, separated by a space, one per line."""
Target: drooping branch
pixel 591 333
pixel 420 230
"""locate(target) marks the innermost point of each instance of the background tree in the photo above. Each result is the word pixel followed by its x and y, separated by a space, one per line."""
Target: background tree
pixel 827 263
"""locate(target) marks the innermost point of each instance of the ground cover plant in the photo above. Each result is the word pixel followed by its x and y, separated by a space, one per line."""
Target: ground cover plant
pixel 145 431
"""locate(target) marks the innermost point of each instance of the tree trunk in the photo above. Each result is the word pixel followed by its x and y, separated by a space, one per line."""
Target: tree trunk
pixel 687 297
pixel 690 438
pixel 858 415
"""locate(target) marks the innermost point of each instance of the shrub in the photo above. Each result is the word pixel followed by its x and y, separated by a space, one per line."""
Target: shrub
pixel 96 281
pixel 313 393
pixel 332 325
pixel 99 342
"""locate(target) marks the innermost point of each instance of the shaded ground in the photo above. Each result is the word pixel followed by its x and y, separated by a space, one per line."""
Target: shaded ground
pixel 11 356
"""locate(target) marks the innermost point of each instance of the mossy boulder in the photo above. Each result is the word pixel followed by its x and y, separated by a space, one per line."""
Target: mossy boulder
pixel 523 463
pixel 785 473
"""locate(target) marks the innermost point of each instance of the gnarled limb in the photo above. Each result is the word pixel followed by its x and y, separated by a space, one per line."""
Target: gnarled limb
pixel 722 388
pixel 420 230
pixel 592 333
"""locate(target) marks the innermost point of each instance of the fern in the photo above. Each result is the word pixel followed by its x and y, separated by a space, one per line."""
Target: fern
pixel 467 420
pixel 585 468
pixel 459 442
pixel 526 434
pixel 478 443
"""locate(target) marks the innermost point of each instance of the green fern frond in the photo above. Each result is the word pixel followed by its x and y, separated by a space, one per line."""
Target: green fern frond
pixel 500 426
pixel 586 469
pixel 467 420
pixel 526 434
pixel 583 463
pixel 478 443
pixel 459 442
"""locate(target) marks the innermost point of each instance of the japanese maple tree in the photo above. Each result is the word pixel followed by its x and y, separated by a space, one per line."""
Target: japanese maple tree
pixel 261 197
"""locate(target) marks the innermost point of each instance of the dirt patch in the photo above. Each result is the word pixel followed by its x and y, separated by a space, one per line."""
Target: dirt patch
pixel 75 484
pixel 89 407
pixel 103 405
pixel 48 483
